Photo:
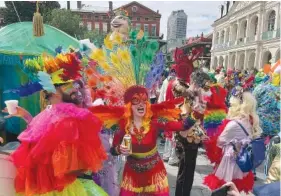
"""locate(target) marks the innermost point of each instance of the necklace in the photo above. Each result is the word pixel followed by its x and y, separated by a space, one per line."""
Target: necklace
pixel 139 133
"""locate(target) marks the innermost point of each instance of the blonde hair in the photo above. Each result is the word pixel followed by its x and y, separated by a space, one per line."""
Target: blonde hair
pixel 245 109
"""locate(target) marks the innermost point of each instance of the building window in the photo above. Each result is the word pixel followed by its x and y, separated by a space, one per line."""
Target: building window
pixel 256 25
pixel 146 19
pixel 138 19
pixel 134 8
pixel 153 30
pixel 138 26
pixel 97 26
pixel 146 28
pixel 96 17
pixel 104 27
pixel 271 21
pixel 104 17
pixel 81 24
pixel 89 26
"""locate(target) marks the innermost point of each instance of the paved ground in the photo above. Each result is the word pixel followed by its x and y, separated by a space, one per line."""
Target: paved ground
pixel 203 168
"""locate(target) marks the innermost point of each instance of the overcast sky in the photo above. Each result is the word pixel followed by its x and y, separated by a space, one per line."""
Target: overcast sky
pixel 201 14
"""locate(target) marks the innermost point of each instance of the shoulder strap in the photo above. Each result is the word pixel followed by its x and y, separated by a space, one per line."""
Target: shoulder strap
pixel 242 128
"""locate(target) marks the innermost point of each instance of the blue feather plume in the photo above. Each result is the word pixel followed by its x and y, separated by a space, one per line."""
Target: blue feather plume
pixel 46 82
pixel 156 69
pixel 26 90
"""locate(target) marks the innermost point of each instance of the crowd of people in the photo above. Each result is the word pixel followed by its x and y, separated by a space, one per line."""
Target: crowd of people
pixel 115 103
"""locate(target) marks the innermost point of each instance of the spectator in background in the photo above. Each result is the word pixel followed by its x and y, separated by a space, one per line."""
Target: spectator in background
pixel 163 89
pixel 153 94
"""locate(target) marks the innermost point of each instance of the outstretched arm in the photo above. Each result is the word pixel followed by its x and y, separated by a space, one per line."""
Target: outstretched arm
pixel 21 112
pixel 109 115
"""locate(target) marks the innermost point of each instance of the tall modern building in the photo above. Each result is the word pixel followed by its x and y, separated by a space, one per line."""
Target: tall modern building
pixel 177 23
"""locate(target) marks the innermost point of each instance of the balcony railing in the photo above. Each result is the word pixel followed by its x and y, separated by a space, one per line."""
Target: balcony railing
pixel 271 34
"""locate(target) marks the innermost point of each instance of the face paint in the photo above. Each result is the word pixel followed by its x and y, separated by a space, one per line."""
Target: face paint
pixel 139 104
pixel 139 98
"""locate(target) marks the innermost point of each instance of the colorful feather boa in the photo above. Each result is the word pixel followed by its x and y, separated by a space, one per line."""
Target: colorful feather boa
pixel 212 119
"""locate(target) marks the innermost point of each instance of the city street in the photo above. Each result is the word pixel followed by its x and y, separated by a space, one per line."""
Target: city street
pixel 203 168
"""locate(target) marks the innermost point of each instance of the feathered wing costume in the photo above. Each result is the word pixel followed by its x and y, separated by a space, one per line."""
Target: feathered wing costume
pixel 61 141
pixel 219 151
pixel 183 67
pixel 268 97
pixel 123 69
pixel 216 108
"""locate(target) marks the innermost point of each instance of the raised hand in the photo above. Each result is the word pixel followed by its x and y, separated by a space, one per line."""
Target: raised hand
pixel 21 112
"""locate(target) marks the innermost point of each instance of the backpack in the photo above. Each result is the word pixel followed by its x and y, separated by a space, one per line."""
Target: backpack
pixel 251 155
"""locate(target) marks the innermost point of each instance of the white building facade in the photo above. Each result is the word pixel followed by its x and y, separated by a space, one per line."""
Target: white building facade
pixel 248 36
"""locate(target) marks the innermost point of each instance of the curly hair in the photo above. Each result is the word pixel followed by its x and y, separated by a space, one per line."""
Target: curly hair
pixel 245 109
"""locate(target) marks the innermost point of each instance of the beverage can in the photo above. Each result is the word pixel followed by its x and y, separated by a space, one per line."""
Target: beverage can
pixel 127 142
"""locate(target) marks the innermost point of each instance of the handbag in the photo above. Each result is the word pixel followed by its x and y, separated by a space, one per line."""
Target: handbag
pixel 245 157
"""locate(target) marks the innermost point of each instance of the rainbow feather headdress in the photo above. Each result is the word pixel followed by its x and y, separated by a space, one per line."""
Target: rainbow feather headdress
pixel 45 71
pixel 123 65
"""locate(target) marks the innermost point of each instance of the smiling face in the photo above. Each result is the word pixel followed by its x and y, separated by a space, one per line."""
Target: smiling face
pixel 120 24
pixel 139 104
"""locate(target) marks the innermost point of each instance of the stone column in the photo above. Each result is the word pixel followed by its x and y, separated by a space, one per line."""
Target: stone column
pixel 229 60
pixel 214 39
pixel 257 57
pixel 236 60
pixel 262 26
pixel 248 27
pixel 239 29
pixel 246 60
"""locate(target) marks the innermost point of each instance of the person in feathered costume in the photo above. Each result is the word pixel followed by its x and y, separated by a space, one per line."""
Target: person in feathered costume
pixel 268 104
pixel 60 143
pixel 187 143
pixel 216 107
pixel 131 65
pixel 219 148
pixel 183 67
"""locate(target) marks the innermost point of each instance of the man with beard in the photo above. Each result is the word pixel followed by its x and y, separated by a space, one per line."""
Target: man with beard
pixel 61 142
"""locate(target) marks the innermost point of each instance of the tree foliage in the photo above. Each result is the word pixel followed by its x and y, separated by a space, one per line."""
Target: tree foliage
pixel 26 9
pixel 69 22
pixel 63 19
pixel 95 36
pixel 66 21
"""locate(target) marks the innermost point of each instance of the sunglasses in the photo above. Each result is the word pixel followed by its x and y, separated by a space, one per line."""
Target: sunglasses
pixel 68 88
pixel 139 98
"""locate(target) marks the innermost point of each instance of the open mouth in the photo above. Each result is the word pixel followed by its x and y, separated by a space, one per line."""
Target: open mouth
pixel 116 25
pixel 140 110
